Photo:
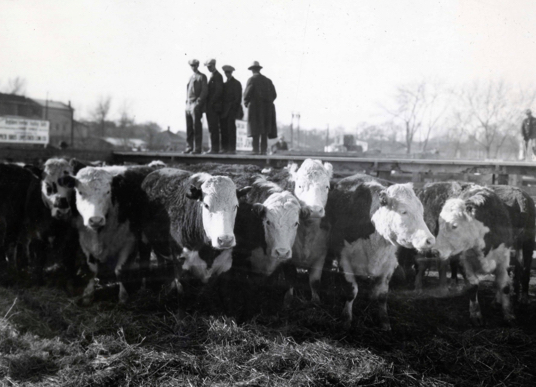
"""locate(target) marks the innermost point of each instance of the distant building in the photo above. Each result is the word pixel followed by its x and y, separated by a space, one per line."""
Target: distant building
pixel 167 140
pixel 58 114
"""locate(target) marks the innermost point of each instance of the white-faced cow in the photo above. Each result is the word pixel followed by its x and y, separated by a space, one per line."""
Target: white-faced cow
pixel 191 215
pixel 368 222
pixel 311 184
pixel 108 200
pixel 477 225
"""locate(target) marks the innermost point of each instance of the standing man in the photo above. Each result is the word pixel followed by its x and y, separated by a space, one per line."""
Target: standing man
pixel 214 105
pixel 196 94
pixel 232 100
pixel 528 131
pixel 259 97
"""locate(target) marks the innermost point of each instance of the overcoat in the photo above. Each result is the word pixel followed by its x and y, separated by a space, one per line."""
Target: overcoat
pixel 528 128
pixel 259 97
pixel 232 96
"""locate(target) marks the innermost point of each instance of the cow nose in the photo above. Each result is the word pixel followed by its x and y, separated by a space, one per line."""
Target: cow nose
pixel 283 253
pixel 96 221
pixel 61 203
pixel 317 211
pixel 226 240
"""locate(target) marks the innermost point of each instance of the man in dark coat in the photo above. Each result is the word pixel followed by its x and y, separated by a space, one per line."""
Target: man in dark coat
pixel 528 131
pixel 259 97
pixel 232 99
pixel 214 105
pixel 196 94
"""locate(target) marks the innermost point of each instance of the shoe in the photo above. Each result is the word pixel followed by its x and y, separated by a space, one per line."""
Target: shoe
pixel 187 151
pixel 254 153
pixel 223 151
pixel 262 153
pixel 210 152
pixel 231 152
pixel 196 152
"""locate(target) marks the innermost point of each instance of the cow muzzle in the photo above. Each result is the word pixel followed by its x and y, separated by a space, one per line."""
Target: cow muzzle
pixel 317 211
pixel 282 253
pixel 225 242
pixel 96 222
pixel 61 213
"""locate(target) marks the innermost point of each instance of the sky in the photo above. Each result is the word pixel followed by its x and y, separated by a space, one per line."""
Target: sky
pixel 333 62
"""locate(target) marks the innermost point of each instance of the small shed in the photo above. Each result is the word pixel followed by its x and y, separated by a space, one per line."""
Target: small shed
pixel 167 140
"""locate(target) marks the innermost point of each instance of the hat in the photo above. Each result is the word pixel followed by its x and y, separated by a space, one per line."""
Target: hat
pixel 192 62
pixel 255 64
pixel 227 68
pixel 528 111
pixel 210 61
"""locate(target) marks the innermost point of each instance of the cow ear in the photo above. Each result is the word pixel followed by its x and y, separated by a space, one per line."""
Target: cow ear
pixel 243 191
pixel 37 172
pixel 259 210
pixel 76 165
pixel 194 193
pixel 67 181
pixel 305 213
pixel 384 200
pixel 292 169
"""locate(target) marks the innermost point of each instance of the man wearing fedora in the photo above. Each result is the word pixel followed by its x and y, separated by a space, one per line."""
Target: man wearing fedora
pixel 528 131
pixel 259 97
pixel 196 94
pixel 232 100
pixel 214 105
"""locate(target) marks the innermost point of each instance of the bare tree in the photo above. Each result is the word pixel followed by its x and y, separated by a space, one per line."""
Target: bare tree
pixel 491 111
pixel 126 119
pixel 16 86
pixel 101 111
pixel 419 107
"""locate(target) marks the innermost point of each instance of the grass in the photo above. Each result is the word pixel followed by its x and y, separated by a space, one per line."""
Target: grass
pixel 47 340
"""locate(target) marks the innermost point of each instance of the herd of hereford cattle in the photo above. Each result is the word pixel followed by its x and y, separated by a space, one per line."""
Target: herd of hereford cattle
pixel 154 223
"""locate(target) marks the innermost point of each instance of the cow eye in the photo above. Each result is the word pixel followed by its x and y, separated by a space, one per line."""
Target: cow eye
pixel 404 212
pixel 205 205
pixel 327 186
pixel 296 225
pixel 268 222
pixel 49 190
pixel 454 226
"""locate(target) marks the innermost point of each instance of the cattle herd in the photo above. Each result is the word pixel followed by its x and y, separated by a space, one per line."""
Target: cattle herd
pixel 156 224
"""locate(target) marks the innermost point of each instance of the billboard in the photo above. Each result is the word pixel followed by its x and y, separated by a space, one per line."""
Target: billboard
pixel 19 130
pixel 243 142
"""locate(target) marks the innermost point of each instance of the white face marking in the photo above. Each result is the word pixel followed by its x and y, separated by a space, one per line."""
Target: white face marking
pixel 401 221
pixel 219 208
pixel 281 220
pixel 312 181
pixel 93 195
pixel 56 197
pixel 458 230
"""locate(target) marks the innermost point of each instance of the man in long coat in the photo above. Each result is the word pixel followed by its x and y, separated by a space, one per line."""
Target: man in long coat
pixel 232 99
pixel 528 131
pixel 214 105
pixel 259 97
pixel 196 94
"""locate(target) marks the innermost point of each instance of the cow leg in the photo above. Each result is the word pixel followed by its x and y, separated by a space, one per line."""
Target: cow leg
pixel 315 275
pixel 89 291
pixel 502 281
pixel 421 268
pixel 144 250
pixel 379 293
pixel 124 262
pixel 291 275
pixel 518 273
pixel 474 307
pixel 528 249
pixel 350 293
pixel 442 271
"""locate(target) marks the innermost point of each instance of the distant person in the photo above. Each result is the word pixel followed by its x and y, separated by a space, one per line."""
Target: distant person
pixel 196 94
pixel 528 131
pixel 232 110
pixel 259 97
pixel 280 145
pixel 214 105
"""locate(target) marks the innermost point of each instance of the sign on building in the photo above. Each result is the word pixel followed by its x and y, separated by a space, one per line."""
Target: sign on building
pixel 23 131
pixel 243 142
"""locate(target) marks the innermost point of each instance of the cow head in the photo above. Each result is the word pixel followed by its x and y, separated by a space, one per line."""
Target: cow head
pixel 311 184
pixel 218 198
pixel 56 196
pixel 280 215
pixel 93 195
pixel 397 215
pixel 459 230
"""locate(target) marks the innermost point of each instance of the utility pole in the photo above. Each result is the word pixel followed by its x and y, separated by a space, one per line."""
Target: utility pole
pixel 298 129
pixel 327 136
pixel 292 132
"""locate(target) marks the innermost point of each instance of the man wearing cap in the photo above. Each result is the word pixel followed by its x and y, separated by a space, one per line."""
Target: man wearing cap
pixel 528 131
pixel 259 97
pixel 232 99
pixel 214 105
pixel 196 94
